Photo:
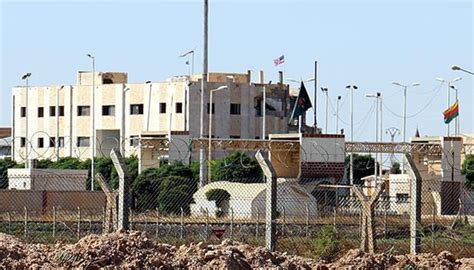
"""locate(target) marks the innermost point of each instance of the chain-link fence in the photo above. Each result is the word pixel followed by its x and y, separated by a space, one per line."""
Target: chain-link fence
pixel 319 217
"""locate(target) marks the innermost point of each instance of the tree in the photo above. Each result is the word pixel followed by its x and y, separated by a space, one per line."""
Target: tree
pixel 237 167
pixel 363 166
pixel 468 171
pixel 395 169
pixel 5 164
pixel 176 193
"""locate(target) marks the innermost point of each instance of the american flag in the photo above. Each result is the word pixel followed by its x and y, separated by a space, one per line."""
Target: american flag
pixel 279 60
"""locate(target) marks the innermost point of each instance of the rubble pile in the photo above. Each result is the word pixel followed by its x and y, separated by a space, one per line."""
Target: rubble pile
pixel 136 250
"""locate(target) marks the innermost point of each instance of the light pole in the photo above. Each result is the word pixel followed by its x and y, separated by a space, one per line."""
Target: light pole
pixel 209 153
pixel 264 109
pixel 148 106
pixel 325 90
pixel 25 78
pixel 124 104
pixel 461 69
pixel 456 121
pixel 56 144
pixel 202 178
pixel 378 131
pixel 93 122
pixel 337 114
pixel 448 96
pixel 351 88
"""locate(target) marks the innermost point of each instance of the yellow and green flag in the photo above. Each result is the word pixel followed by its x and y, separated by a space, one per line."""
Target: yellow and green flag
pixel 451 113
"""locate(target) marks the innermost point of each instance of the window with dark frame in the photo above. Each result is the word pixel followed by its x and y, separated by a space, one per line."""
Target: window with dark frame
pixel 61 110
pixel 61 142
pixel 235 108
pixel 52 110
pixel 22 142
pixel 23 111
pixel 162 107
pixel 234 136
pixel 40 112
pixel 83 110
pixel 40 142
pixel 402 197
pixel 136 109
pixel 83 141
pixel 179 107
pixel 134 141
pixel 52 142
pixel 108 110
pixel 213 108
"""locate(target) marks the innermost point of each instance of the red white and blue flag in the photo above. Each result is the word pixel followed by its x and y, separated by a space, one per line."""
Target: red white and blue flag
pixel 279 60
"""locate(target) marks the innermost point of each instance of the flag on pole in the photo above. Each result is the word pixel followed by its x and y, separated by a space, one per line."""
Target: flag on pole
pixel 302 104
pixel 279 60
pixel 186 53
pixel 451 113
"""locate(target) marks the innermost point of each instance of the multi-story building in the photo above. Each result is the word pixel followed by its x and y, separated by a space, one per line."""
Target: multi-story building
pixel 56 121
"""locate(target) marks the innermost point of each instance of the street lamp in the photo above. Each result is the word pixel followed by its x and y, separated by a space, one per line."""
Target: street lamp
pixel 210 131
pixel 123 121
pixel 325 90
pixel 456 68
pixel 93 122
pixel 351 88
pixel 25 78
pixel 448 94
pixel 378 128
pixel 337 114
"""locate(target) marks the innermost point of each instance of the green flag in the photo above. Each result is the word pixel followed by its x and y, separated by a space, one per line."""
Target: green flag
pixel 302 104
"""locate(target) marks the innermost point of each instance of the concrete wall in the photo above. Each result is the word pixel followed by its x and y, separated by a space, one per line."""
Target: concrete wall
pixel 47 179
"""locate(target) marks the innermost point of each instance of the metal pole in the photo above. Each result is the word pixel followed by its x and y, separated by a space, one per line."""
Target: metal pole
pixel 449 103
pixel 327 97
pixel 9 218
pixel 27 139
pixel 56 141
pixel 209 149
pixel 157 222
pixel 315 94
pixel 54 222
pixel 381 136
pixel 148 109
pixel 78 222
pixel 231 223
pixel 351 180
pixel 25 233
pixel 93 124
pixel 181 232
pixel 202 180
pixel 456 122
pixel 264 111
pixel 404 122
pixel 337 115
pixel 376 139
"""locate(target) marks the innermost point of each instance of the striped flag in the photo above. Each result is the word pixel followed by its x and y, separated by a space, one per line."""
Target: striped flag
pixel 279 60
pixel 451 113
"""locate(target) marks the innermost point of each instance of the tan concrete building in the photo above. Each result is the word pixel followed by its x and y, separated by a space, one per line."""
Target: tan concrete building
pixel 56 121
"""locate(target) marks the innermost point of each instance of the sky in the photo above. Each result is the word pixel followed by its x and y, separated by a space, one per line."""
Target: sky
pixel 366 43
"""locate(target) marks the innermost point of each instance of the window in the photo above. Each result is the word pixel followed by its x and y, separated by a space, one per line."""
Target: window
pixel 52 142
pixel 134 141
pixel 179 107
pixel 136 109
pixel 40 142
pixel 234 137
pixel 40 111
pixel 83 141
pixel 23 111
pixel 162 107
pixel 52 110
pixel 22 142
pixel 234 108
pixel 108 110
pixel 257 137
pixel 402 197
pixel 61 110
pixel 83 110
pixel 213 107
pixel 60 142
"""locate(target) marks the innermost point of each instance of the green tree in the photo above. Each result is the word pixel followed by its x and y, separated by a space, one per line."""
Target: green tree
pixel 5 164
pixel 237 167
pixel 363 166
pixel 468 171
pixel 176 193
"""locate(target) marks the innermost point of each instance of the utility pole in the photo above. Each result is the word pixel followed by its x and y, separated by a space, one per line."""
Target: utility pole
pixel 202 157
pixel 25 78
pixel 315 94
pixel 352 88
pixel 325 90
pixel 337 114
pixel 92 114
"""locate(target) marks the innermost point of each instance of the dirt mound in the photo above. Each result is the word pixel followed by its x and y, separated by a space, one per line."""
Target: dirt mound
pixel 136 250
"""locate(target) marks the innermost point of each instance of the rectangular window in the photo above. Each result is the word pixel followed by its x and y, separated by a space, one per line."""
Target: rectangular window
pixel 52 142
pixel 40 142
pixel 60 142
pixel 61 110
pixel 134 141
pixel 108 110
pixel 136 109
pixel 179 107
pixel 22 142
pixel 213 107
pixel 235 108
pixel 234 137
pixel 402 197
pixel 83 110
pixel 23 111
pixel 162 107
pixel 40 111
pixel 52 110
pixel 83 141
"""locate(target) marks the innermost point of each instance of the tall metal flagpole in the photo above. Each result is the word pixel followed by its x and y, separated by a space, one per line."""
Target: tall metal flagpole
pixel 202 157
pixel 315 94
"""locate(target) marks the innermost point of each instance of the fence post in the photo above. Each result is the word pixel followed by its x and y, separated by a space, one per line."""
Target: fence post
pixel 385 218
pixel 257 225
pixel 334 218
pixel 231 223
pixel 283 228
pixel 25 233
pixel 104 221
pixel 207 224
pixel 271 204
pixel 433 223
pixel 182 224
pixel 157 222
pixel 124 189
pixel 54 221
pixel 9 217
pixel 415 207
pixel 78 222
pixel 131 218
pixel 307 220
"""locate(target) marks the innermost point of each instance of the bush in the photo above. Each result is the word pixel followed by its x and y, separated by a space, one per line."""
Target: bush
pixel 327 243
pixel 5 164
pixel 218 195
pixel 468 172
pixel 237 167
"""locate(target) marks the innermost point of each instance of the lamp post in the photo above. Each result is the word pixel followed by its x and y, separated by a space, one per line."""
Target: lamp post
pixel 25 78
pixel 448 96
pixel 148 106
pixel 351 88
pixel 337 114
pixel 456 121
pixel 124 104
pixel 209 153
pixel 325 90
pixel 202 157
pixel 378 132
pixel 93 122
pixel 405 112
pixel 455 68
pixel 56 143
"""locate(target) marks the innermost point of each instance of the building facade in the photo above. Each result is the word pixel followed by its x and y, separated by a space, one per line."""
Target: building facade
pixel 56 121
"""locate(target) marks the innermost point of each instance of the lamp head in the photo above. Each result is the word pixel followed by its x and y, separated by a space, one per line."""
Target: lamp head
pixel 455 67
pixel 415 84
pixel 26 76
